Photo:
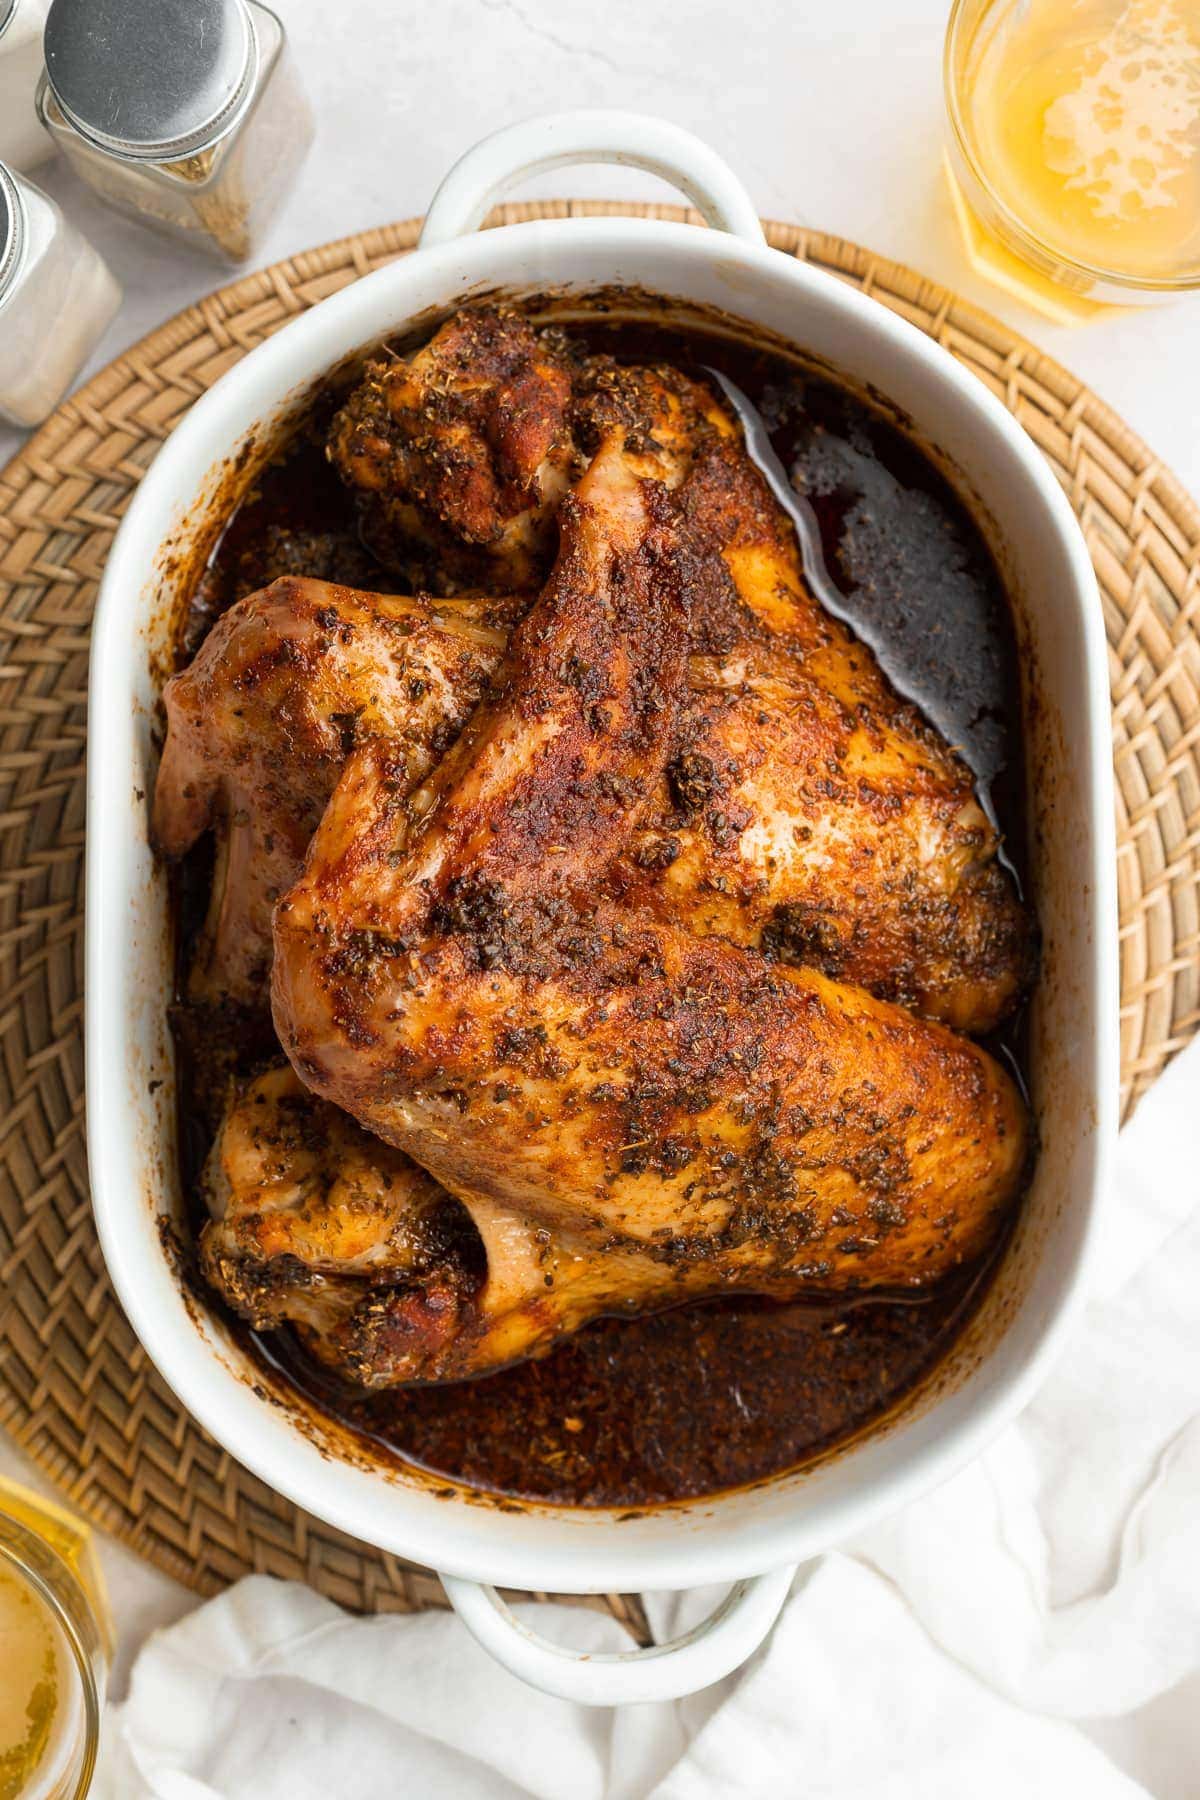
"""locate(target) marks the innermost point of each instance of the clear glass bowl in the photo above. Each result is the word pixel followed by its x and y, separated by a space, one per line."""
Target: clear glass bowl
pixel 1001 243
pixel 56 1636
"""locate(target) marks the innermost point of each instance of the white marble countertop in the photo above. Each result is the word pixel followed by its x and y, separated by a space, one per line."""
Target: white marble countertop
pixel 832 117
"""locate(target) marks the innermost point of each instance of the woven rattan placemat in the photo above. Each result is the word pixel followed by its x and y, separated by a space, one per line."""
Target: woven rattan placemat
pixel 76 1390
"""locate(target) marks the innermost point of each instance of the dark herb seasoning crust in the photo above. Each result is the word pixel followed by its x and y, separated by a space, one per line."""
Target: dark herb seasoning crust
pixel 712 1395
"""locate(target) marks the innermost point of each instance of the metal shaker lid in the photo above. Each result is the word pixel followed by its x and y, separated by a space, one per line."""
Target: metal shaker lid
pixel 12 228
pixel 152 79
pixel 7 9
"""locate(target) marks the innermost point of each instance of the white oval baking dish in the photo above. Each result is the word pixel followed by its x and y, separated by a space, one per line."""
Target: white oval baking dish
pixel 752 1537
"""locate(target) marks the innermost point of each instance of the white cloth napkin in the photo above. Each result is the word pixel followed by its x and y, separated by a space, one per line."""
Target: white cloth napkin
pixel 1031 1629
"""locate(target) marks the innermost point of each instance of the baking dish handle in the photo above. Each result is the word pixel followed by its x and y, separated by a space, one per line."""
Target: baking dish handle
pixel 711 1650
pixel 481 177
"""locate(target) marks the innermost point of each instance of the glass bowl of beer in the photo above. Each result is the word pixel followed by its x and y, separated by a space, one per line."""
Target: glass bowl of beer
pixel 55 1645
pixel 1074 147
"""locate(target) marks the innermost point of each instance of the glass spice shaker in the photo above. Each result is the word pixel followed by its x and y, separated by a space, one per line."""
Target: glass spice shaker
pixel 23 141
pixel 57 298
pixel 185 114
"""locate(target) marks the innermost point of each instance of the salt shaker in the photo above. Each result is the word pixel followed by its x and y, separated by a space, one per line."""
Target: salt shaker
pixel 57 297
pixel 185 114
pixel 24 142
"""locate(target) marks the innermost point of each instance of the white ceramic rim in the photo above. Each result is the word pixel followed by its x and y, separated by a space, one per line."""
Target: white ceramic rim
pixel 186 1361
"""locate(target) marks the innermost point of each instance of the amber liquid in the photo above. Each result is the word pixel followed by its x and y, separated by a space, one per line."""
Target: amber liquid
pixel 43 1716
pixel 41 1706
pixel 70 1539
pixel 1083 118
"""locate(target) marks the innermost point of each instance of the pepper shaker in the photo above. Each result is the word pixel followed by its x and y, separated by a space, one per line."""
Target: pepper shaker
pixel 23 141
pixel 57 297
pixel 184 114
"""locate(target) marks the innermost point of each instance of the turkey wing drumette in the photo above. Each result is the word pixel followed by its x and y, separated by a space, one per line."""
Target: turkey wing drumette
pixel 312 1217
pixel 462 451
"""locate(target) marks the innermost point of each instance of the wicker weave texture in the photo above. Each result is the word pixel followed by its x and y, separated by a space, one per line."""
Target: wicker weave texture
pixel 76 1389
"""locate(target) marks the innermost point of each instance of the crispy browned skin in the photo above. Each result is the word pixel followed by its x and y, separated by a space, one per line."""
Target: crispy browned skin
pixel 464 447
pixel 500 960
pixel 463 450
pixel 292 1180
pixel 807 811
pixel 316 1222
pixel 450 971
pixel 386 1276
pixel 260 724
pixel 804 810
